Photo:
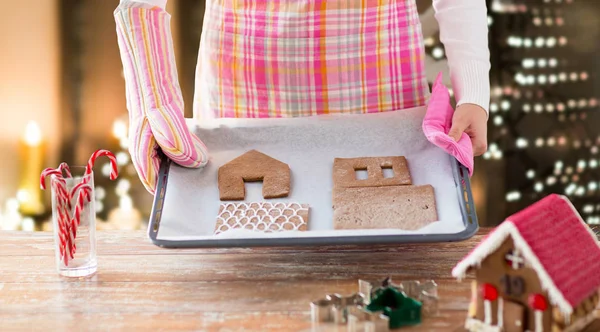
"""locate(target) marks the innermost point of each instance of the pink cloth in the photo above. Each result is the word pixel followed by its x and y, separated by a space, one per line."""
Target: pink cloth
pixel 437 124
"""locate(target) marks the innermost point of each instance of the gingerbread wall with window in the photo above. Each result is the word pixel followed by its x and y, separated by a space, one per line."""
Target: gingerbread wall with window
pixel 384 198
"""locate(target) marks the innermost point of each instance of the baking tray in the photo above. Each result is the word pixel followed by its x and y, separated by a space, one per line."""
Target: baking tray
pixel 460 183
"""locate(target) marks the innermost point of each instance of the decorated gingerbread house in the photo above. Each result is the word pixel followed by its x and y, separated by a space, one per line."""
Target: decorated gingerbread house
pixel 538 271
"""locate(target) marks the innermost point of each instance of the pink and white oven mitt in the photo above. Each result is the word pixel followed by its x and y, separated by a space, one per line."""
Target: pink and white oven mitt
pixel 437 123
pixel 154 97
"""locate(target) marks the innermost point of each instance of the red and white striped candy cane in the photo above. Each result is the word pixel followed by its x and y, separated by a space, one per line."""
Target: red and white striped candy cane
pixel 114 172
pixel 59 211
pixel 46 173
pixel 81 200
pixel 76 219
pixel 63 207
pixel 84 182
pixel 64 169
pixel 63 204
pixel 84 190
pixel 62 210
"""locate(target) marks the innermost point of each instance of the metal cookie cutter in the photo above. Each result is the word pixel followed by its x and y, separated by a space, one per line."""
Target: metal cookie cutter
pixel 361 320
pixel 425 292
pixel 338 309
pixel 334 308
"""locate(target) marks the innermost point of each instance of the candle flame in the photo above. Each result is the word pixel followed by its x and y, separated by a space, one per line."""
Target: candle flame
pixel 33 134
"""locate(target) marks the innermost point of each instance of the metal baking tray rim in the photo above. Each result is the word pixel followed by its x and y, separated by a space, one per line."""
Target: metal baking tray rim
pixel 461 179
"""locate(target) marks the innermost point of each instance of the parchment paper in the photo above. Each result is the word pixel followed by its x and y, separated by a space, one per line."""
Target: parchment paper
pixel 309 146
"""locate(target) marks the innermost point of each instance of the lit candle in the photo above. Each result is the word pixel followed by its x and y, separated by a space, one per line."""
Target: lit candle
pixel 32 155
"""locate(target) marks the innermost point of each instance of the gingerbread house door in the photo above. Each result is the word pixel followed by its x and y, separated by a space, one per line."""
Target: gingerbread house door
pixel 513 317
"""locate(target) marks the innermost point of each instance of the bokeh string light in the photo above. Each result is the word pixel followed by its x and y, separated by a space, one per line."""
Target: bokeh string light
pixel 542 106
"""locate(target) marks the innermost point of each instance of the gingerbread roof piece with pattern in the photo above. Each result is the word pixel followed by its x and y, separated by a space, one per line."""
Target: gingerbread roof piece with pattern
pixel 262 216
pixel 254 166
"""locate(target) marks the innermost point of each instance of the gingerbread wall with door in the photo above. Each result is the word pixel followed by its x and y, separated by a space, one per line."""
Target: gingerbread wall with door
pixel 254 166
pixel 514 284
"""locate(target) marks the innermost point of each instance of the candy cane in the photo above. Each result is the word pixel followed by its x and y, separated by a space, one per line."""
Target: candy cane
pixel 83 183
pixel 76 219
pixel 64 167
pixel 114 172
pixel 62 200
pixel 60 217
pixel 81 199
pixel 84 191
pixel 67 225
pixel 48 172
pixel 62 207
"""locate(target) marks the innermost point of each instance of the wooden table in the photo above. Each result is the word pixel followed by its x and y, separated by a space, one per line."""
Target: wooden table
pixel 140 286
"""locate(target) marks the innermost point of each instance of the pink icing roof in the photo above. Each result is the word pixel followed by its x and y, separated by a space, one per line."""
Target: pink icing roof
pixel 560 247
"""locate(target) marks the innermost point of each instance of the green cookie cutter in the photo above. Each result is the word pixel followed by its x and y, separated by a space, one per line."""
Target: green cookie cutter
pixel 424 292
pixel 401 309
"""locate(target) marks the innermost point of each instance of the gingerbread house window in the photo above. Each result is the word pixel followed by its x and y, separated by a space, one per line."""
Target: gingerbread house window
pixel 361 174
pixel 388 172
pixel 514 259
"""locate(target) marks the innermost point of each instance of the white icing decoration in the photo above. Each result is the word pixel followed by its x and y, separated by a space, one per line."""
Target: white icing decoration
pixel 515 259
pixel 488 311
pixel 500 312
pixel 261 217
pixel 475 325
pixel 539 323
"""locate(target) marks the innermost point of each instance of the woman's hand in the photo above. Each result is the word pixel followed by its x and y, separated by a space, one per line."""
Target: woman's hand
pixel 472 120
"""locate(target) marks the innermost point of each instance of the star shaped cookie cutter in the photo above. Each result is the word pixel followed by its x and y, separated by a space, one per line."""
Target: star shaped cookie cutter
pixel 335 308
pixel 425 292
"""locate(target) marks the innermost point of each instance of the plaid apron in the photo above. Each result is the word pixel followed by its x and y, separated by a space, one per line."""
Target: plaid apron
pixel 291 58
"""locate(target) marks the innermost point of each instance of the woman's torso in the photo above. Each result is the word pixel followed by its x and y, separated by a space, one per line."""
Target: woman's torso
pixel 289 58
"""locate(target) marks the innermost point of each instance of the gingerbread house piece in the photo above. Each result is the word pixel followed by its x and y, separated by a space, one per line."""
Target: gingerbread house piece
pixel 262 217
pixel 379 201
pixel 538 271
pixel 254 166
pixel 344 172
